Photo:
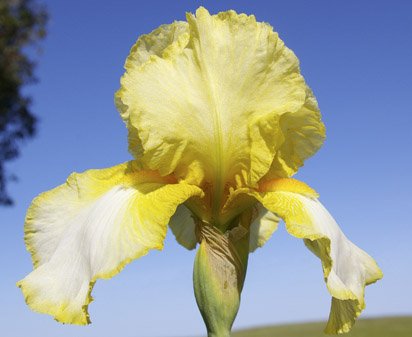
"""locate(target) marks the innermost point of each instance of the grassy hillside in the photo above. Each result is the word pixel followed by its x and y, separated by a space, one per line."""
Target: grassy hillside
pixel 376 327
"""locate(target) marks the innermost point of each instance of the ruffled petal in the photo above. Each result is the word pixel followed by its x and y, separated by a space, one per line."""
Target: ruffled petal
pixel 90 228
pixel 303 133
pixel 347 269
pixel 158 43
pixel 211 107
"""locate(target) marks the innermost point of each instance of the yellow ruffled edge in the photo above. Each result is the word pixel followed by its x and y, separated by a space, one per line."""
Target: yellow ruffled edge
pixel 288 185
pixel 29 229
pixel 58 312
pixel 295 226
pixel 132 63
pixel 28 292
pixel 308 139
pixel 341 295
pixel 129 176
pixel 265 147
pixel 73 317
pixel 266 154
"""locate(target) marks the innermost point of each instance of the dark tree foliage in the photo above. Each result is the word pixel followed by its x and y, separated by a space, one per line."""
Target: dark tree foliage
pixel 22 25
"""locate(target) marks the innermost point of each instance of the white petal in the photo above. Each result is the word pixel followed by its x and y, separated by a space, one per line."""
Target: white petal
pixel 90 228
pixel 347 269
pixel 351 268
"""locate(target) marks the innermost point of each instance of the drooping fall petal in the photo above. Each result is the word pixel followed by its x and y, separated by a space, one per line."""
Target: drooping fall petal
pixel 90 228
pixel 347 269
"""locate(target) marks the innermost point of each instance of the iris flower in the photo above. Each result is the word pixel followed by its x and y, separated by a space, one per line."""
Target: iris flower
pixel 219 118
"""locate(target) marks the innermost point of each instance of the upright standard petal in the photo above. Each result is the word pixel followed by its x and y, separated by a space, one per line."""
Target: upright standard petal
pixel 90 228
pixel 215 104
pixel 304 134
pixel 347 269
pixel 161 41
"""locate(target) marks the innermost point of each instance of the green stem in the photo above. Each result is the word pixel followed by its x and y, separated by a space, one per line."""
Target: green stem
pixel 218 276
pixel 222 334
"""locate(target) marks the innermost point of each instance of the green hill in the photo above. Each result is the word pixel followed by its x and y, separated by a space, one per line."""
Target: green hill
pixel 374 327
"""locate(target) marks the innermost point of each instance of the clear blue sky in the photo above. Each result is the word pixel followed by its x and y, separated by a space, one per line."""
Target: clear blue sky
pixel 356 56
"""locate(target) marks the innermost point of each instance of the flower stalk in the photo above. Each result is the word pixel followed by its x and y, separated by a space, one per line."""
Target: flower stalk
pixel 219 274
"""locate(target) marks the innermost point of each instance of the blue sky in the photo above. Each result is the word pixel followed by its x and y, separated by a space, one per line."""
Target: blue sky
pixel 355 56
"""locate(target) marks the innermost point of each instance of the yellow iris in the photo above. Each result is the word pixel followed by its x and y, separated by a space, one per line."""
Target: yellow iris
pixel 219 119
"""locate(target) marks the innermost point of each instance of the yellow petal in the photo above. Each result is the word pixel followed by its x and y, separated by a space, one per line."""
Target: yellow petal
pixel 347 269
pixel 213 106
pixel 90 228
pixel 157 43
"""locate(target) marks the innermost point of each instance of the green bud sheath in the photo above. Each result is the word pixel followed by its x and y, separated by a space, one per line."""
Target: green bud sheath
pixel 218 276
